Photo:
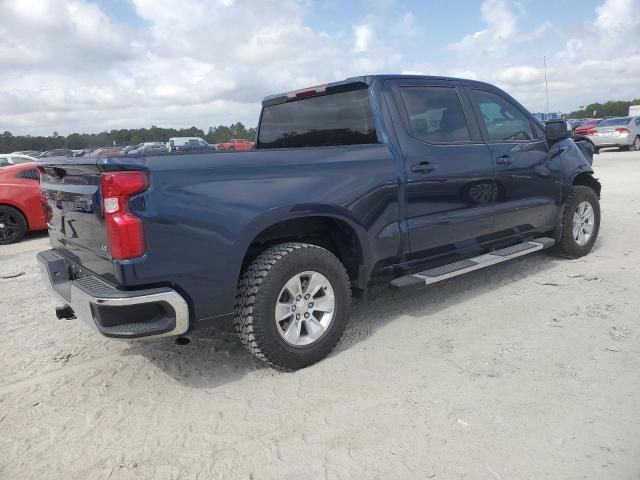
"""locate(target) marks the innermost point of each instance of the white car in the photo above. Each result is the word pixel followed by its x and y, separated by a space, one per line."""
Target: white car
pixel 176 144
pixel 7 159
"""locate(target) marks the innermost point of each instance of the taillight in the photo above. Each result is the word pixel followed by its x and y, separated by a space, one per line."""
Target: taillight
pixel 307 92
pixel 124 229
pixel 622 132
pixel 591 132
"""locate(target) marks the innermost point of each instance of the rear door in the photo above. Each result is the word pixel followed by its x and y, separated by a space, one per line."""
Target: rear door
pixel 528 182
pixel 449 173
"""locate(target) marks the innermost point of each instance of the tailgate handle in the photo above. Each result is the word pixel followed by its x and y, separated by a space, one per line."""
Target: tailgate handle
pixel 423 167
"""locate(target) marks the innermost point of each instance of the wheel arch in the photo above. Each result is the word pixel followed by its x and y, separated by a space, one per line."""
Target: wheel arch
pixel 587 179
pixel 331 229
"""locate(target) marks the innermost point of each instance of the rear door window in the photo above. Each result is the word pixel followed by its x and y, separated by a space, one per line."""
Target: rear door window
pixel 435 114
pixel 504 122
pixel 344 118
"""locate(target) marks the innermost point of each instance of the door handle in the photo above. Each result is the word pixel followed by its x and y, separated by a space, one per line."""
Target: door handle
pixel 423 167
pixel 504 160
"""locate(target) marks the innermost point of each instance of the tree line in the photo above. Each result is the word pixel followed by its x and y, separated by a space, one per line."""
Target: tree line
pixel 126 136
pixel 611 108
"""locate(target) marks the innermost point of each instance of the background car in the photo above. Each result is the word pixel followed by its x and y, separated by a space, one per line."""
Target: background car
pixel 176 144
pixel 587 126
pixel 29 153
pixel 622 132
pixel 58 152
pixel 105 152
pixel 14 159
pixel 236 144
pixel 21 207
pixel 194 146
pixel 147 147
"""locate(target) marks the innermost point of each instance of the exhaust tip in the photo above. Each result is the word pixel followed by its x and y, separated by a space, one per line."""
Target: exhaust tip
pixel 65 312
pixel 183 341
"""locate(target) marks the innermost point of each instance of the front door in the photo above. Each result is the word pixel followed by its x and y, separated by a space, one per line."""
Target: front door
pixel 528 182
pixel 449 174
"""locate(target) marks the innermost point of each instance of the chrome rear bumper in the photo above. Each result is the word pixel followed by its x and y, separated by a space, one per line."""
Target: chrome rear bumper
pixel 150 313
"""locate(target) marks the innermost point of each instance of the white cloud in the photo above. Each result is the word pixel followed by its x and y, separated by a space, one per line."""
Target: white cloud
pixel 69 66
pixel 363 35
pixel 501 26
pixel 521 75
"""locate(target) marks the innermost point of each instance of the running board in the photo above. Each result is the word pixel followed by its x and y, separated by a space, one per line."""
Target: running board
pixel 464 266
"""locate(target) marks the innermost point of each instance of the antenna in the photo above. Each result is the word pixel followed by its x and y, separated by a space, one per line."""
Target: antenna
pixel 546 84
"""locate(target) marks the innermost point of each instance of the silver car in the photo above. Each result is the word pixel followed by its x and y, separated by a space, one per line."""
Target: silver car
pixel 13 159
pixel 623 132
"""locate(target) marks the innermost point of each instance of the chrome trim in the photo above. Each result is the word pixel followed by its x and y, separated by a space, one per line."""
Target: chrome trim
pixel 81 301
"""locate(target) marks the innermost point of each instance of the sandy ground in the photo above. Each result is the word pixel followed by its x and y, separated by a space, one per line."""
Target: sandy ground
pixel 525 370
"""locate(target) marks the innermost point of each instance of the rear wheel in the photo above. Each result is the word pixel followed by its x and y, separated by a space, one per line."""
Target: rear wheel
pixel 292 305
pixel 580 222
pixel 13 225
pixel 636 144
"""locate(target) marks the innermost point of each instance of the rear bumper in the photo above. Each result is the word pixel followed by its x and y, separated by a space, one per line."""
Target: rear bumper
pixel 151 313
pixel 611 141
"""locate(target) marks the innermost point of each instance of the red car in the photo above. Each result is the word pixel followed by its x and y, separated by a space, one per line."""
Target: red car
pixel 585 128
pixel 21 207
pixel 236 144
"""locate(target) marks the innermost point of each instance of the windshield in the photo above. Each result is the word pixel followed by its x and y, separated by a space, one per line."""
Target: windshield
pixel 610 122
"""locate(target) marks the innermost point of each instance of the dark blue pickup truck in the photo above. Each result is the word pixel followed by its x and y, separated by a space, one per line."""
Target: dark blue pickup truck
pixel 405 180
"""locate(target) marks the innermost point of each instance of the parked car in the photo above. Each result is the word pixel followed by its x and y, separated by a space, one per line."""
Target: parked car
pixel 28 153
pixel 20 202
pixel 58 152
pixel 401 179
pixel 175 144
pixel 105 152
pixel 82 153
pixel 14 159
pixel 147 147
pixel 197 146
pixel 128 148
pixel 622 132
pixel 238 144
pixel 577 122
pixel 588 126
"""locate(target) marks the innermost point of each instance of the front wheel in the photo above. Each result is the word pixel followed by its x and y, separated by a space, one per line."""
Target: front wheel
pixel 580 222
pixel 292 305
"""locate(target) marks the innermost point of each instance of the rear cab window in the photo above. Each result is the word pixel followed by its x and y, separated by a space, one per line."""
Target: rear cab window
pixel 344 118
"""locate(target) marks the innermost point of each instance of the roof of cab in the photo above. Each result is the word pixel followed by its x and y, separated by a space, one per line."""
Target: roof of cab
pixel 364 80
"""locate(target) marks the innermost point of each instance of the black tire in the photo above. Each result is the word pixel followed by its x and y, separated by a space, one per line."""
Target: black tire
pixel 568 246
pixel 636 144
pixel 258 292
pixel 14 225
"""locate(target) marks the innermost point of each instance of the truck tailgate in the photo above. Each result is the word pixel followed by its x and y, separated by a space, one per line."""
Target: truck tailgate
pixel 71 194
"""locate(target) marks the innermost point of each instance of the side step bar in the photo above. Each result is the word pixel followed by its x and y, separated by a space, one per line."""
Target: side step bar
pixel 464 266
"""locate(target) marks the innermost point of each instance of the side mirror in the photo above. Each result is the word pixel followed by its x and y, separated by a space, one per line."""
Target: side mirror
pixel 557 130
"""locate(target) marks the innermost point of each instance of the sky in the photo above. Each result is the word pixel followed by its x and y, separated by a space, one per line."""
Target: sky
pixel 89 66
